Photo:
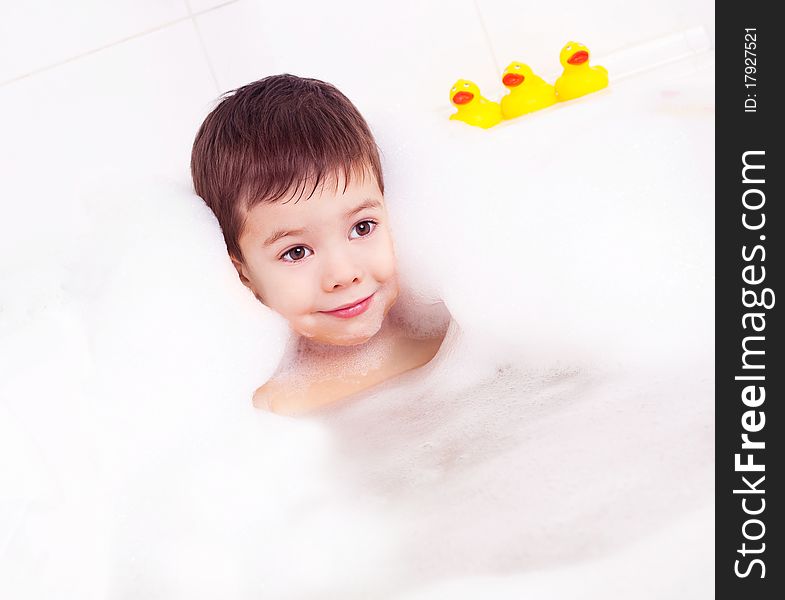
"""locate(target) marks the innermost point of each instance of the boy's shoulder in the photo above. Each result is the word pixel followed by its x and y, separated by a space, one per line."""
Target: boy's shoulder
pixel 291 394
pixel 282 396
pixel 262 397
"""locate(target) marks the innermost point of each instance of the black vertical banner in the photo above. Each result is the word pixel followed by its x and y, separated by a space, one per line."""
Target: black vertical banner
pixel 750 562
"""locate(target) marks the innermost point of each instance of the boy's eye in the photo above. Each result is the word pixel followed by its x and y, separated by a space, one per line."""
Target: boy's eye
pixel 297 254
pixel 364 227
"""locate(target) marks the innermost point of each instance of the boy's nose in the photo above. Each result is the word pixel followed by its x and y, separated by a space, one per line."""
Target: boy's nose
pixel 341 271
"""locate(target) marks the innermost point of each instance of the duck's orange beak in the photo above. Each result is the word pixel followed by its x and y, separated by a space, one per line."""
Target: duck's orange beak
pixel 462 97
pixel 512 79
pixel 580 57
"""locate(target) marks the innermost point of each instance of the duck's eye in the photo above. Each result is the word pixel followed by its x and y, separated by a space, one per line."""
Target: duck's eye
pixel 517 66
pixel 465 85
pixel 569 47
pixel 453 89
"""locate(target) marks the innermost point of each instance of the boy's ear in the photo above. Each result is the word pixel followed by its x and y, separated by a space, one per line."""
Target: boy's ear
pixel 238 264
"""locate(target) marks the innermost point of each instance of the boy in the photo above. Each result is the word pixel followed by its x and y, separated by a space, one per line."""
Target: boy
pixel 292 172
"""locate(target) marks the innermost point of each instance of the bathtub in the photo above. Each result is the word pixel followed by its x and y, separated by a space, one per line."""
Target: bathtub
pixel 560 445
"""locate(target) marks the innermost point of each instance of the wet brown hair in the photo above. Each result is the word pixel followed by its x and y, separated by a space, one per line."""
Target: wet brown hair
pixel 265 140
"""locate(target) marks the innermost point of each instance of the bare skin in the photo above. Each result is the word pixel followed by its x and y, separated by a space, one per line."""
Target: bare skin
pixel 313 375
pixel 306 260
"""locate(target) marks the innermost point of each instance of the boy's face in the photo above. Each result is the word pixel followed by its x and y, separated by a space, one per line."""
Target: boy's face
pixel 339 251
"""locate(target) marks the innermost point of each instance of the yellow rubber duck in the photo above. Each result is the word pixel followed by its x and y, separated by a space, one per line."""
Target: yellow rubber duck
pixel 528 92
pixel 472 107
pixel 578 78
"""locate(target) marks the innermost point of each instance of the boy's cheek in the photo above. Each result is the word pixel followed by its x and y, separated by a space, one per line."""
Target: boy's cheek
pixel 387 269
pixel 385 262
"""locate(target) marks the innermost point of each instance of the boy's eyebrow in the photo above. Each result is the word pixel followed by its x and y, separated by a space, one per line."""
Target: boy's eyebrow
pixel 282 233
pixel 369 203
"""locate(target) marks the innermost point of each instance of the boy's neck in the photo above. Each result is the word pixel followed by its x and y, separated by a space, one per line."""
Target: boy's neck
pixel 313 373
pixel 311 357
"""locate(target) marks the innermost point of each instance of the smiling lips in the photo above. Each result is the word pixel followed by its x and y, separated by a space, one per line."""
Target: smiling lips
pixel 352 310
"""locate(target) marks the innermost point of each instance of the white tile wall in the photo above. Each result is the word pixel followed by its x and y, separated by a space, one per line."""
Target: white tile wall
pixel 37 33
pixel 534 31
pixel 405 53
pixel 93 86
pixel 94 91
pixel 197 6
pixel 130 109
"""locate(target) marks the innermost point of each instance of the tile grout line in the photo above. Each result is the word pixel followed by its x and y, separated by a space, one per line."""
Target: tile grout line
pixel 203 46
pixel 487 36
pixel 93 51
pixel 116 42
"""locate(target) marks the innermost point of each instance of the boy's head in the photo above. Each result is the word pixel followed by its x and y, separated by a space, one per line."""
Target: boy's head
pixel 292 172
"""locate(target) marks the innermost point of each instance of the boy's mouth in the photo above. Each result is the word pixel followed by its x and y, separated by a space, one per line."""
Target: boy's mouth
pixel 350 310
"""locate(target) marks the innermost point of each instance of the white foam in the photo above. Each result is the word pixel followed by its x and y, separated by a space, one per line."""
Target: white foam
pixel 574 249
pixel 585 226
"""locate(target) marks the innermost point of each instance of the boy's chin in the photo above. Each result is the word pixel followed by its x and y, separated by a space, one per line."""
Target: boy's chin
pixel 349 337
pixel 347 342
